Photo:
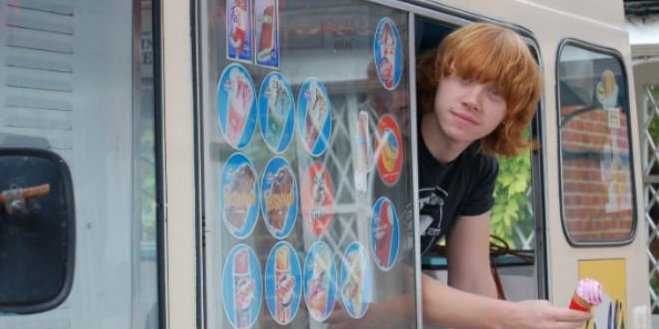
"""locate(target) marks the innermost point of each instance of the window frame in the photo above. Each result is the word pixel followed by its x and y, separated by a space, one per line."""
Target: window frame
pixel 616 55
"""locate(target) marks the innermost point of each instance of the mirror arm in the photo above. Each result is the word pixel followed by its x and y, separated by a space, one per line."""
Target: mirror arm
pixel 14 198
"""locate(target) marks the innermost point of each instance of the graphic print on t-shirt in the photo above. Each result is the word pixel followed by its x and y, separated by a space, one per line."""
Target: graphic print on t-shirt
pixel 431 213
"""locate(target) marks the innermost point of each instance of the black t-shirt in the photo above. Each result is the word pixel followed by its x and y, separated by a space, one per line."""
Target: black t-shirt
pixel 463 187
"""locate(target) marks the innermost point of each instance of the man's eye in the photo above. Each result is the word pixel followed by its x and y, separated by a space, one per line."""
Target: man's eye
pixel 466 81
pixel 495 93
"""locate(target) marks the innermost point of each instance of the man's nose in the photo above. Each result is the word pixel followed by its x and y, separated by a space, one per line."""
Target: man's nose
pixel 473 97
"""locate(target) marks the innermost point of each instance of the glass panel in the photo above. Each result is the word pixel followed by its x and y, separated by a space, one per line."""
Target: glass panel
pixel 306 164
pixel 73 83
pixel 596 178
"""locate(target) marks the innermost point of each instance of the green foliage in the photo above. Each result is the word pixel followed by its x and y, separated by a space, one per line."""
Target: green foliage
pixel 511 198
pixel 653 127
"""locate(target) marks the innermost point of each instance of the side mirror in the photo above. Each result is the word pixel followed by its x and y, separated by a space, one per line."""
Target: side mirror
pixel 37 230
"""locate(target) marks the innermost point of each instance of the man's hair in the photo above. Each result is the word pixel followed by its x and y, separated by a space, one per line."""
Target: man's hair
pixel 487 53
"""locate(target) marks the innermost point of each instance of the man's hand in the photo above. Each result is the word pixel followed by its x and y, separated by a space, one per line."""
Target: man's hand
pixel 532 314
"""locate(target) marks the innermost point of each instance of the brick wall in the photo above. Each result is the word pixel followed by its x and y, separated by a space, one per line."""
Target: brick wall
pixel 596 176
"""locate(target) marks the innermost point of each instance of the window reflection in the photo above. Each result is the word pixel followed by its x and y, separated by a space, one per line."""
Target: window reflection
pixel 348 154
pixel 596 177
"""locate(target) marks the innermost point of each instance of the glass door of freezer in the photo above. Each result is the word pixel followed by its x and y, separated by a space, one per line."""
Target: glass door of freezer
pixel 306 164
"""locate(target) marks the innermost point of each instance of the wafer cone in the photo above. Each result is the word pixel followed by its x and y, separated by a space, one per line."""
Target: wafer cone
pixel 579 304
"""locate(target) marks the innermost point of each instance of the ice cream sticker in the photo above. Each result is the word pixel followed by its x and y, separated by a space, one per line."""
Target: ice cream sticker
pixel 239 196
pixel 606 90
pixel 384 234
pixel 239 30
pixel 314 116
pixel 356 280
pixel 280 197
pixel 363 150
pixel 319 281
pixel 267 32
pixel 242 287
pixel 283 283
pixel 317 194
pixel 276 112
pixel 236 105
pixel 388 53
pixel 389 150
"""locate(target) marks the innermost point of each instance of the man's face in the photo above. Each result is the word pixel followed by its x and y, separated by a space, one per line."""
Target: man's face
pixel 467 110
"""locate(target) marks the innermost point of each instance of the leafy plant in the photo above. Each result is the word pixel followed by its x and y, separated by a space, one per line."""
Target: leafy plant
pixel 511 207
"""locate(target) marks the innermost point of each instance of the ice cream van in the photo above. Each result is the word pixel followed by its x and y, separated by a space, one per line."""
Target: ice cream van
pixel 249 164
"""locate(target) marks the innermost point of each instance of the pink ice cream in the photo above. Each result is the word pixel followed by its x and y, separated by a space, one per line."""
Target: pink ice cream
pixel 588 293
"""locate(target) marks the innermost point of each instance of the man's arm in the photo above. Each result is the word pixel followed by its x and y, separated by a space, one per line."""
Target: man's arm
pixel 468 255
pixel 444 306
pixel 470 300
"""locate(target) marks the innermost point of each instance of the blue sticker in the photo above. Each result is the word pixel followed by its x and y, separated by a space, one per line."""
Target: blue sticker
pixel 388 53
pixel 279 197
pixel 267 33
pixel 320 281
pixel 283 283
pixel 239 29
pixel 384 233
pixel 276 112
pixel 239 194
pixel 356 280
pixel 314 116
pixel 236 106
pixel 242 287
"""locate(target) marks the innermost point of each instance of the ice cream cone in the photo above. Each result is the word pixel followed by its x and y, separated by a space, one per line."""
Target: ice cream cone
pixel 588 293
pixel 579 304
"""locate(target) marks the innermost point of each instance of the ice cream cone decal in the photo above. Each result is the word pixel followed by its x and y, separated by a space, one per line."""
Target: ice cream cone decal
pixel 276 112
pixel 236 103
pixel 362 156
pixel 606 90
pixel 239 102
pixel 388 53
pixel 242 287
pixel 389 150
pixel 283 283
pixel 317 112
pixel 319 281
pixel 356 280
pixel 384 233
pixel 267 30
pixel 239 29
pixel 280 197
pixel 314 117
pixel 239 195
pixel 317 193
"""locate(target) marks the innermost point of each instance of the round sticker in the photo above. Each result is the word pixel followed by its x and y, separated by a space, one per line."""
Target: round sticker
pixel 242 287
pixel 276 112
pixel 283 283
pixel 384 233
pixel 236 105
pixel 279 197
pixel 319 281
pixel 356 280
pixel 239 196
pixel 389 150
pixel 314 116
pixel 317 193
pixel 388 53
